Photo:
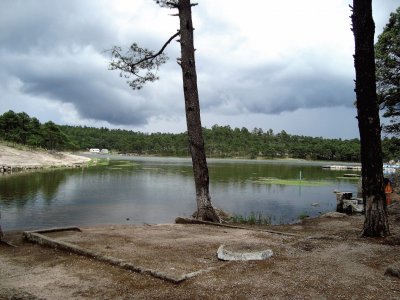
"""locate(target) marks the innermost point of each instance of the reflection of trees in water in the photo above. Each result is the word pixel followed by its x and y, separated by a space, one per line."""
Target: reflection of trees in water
pixel 19 189
pixel 51 183
pixel 245 173
pixel 240 173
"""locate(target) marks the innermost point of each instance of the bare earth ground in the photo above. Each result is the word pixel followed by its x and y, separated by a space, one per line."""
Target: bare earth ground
pixel 326 260
pixel 38 159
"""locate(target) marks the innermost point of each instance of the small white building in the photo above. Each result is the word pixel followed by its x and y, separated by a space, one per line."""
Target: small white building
pixel 94 150
pixel 104 151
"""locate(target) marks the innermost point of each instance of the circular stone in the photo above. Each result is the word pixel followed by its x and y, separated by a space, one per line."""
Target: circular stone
pixel 224 254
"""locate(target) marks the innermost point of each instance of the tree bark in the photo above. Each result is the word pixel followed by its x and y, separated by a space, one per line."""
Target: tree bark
pixel 376 220
pixel 205 210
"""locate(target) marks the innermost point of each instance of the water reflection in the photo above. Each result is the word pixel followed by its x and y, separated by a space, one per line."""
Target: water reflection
pixel 28 186
pixel 156 190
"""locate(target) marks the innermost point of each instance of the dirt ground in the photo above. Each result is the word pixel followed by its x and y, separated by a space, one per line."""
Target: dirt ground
pixel 325 259
pixel 17 158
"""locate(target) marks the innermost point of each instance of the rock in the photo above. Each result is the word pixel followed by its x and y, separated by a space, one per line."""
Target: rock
pixel 315 204
pixel 393 270
pixel 334 214
pixel 224 254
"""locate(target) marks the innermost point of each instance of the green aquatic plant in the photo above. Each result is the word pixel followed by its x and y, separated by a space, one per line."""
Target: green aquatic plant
pixel 99 162
pixel 294 182
pixel 252 219
pixel 125 164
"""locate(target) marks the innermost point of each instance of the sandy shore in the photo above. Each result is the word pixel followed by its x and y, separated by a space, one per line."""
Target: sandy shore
pixel 22 159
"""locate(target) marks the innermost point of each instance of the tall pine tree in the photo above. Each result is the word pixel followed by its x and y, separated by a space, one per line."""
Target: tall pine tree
pixel 139 59
pixel 376 220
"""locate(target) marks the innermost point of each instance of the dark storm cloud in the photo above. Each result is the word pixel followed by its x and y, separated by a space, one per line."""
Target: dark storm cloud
pixel 93 100
pixel 94 94
pixel 55 49
pixel 301 90
pixel 46 24
pixel 277 88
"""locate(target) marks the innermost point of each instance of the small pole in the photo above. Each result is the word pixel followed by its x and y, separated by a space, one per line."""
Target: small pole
pixel 1 231
pixel 300 175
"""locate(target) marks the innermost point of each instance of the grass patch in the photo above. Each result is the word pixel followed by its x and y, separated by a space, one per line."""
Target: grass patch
pixel 98 162
pixel 125 164
pixel 252 219
pixel 294 182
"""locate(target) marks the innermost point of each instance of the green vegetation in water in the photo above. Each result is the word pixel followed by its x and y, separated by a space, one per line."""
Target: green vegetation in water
pixel 295 182
pixel 99 162
pixel 252 219
pixel 124 164
pixel 351 178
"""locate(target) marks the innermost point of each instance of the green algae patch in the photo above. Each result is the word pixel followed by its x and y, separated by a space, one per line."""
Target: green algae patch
pixel 293 182
pixel 125 164
pixel 99 162
pixel 349 178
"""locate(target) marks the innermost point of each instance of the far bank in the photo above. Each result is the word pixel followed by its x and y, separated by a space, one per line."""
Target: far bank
pixel 13 159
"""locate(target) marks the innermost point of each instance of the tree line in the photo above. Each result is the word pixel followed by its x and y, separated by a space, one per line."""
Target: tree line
pixel 227 142
pixel 220 141
pixel 20 128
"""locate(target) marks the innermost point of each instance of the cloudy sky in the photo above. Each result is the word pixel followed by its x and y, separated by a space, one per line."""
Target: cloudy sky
pixel 285 65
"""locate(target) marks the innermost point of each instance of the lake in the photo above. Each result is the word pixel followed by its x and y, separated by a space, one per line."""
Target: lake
pixel 137 190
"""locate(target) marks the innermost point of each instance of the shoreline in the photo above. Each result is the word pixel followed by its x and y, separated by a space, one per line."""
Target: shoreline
pixel 20 158
pixel 17 160
pixel 221 159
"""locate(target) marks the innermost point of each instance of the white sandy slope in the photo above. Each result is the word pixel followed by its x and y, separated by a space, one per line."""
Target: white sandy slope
pixel 38 159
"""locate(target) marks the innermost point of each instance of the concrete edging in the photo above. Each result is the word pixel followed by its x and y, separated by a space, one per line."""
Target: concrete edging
pixel 180 220
pixel 36 236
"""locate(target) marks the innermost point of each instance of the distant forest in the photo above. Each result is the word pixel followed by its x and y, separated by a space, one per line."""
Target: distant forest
pixel 220 141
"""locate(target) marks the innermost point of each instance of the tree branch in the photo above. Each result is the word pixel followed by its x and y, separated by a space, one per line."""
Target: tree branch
pixel 139 62
pixel 172 4
pixel 151 57
pixel 168 4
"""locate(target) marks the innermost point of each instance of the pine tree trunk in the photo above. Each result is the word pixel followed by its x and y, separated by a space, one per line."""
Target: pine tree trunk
pixel 205 210
pixel 376 220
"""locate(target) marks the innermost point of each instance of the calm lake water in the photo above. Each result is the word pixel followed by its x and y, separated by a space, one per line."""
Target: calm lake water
pixel 136 190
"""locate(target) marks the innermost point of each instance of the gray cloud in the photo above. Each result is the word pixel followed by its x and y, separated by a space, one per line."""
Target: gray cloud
pixel 54 50
pixel 277 88
pixel 80 79
pixel 47 25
